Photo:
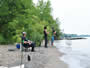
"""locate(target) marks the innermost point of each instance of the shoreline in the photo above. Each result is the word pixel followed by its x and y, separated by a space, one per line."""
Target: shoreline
pixel 42 58
pixel 55 61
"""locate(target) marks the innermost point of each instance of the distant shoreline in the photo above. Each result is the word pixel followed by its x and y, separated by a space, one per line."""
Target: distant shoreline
pixel 78 38
pixel 75 38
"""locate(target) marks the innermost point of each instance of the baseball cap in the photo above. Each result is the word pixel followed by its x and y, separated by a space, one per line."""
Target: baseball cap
pixel 24 33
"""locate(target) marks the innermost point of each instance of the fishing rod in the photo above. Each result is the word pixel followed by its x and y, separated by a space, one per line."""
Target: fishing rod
pixel 28 56
pixel 21 56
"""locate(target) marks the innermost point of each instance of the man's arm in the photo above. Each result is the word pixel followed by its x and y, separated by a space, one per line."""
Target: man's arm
pixel 23 40
pixel 46 32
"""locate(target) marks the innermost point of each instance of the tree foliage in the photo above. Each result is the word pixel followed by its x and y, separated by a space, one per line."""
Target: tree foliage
pixel 17 16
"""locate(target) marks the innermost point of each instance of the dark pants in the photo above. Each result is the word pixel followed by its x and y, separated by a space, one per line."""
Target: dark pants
pixel 31 45
pixel 46 41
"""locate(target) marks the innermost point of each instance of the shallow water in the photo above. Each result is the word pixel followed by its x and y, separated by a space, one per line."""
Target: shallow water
pixel 77 52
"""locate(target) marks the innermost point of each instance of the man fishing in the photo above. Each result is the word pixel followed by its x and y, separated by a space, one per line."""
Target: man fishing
pixel 27 43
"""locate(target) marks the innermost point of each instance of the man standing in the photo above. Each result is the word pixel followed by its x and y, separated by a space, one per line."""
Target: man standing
pixel 45 36
pixel 52 39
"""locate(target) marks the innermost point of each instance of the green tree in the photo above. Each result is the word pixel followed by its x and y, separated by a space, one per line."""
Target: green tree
pixel 17 16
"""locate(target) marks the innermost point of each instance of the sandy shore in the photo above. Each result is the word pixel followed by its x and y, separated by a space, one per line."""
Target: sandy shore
pixel 42 58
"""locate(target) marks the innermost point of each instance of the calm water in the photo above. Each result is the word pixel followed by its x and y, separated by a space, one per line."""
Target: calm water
pixel 77 52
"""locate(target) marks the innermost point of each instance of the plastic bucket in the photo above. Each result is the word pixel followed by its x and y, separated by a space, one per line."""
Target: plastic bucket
pixel 18 46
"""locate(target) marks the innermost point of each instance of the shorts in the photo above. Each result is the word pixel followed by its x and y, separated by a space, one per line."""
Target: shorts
pixel 52 39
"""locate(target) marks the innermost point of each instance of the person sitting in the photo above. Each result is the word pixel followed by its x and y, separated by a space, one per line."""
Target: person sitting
pixel 27 43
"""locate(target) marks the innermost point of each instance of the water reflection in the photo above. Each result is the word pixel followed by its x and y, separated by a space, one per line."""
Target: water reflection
pixel 68 42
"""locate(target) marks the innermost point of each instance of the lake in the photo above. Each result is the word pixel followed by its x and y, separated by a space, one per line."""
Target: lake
pixel 77 52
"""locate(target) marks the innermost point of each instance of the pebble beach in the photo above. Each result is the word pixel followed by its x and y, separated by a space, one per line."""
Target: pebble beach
pixel 41 58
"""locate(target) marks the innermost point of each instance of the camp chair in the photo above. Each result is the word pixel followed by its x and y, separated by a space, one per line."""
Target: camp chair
pixel 24 47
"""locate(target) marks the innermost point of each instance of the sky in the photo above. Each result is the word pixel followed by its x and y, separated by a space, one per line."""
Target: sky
pixel 74 15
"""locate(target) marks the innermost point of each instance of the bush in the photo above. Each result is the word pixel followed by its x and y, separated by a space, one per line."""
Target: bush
pixel 37 38
pixel 2 40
